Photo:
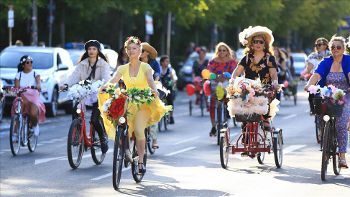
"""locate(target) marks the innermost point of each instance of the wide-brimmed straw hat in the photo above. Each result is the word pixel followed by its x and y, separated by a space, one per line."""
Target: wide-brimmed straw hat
pixel 247 34
pixel 151 50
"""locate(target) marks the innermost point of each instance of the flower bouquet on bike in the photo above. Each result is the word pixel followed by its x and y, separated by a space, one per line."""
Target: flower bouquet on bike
pixel 115 108
pixel 328 100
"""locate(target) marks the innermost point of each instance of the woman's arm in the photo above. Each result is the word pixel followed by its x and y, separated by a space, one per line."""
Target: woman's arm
pixel 237 72
pixel 16 83
pixel 116 77
pixel 313 80
pixel 273 74
pixel 38 82
pixel 150 82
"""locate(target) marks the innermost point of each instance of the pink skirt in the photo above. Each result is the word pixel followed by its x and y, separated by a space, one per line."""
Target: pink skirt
pixel 32 96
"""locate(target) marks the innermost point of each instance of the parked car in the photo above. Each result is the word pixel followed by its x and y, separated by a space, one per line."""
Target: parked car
pixel 75 55
pixel 299 62
pixel 53 65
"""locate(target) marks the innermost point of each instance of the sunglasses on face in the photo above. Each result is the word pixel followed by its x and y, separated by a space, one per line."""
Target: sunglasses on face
pixel 222 50
pixel 258 42
pixel 29 62
pixel 319 44
pixel 336 47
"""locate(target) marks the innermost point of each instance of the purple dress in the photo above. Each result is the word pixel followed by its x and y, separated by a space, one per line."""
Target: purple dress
pixel 338 80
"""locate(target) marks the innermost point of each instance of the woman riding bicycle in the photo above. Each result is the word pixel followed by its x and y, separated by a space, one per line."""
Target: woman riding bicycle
pixel 259 62
pixel 335 70
pixel 320 51
pixel 198 65
pixel 222 62
pixel 137 74
pixel 32 105
pixel 92 66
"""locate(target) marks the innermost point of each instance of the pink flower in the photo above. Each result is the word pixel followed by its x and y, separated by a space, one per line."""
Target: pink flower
pixel 340 102
pixel 333 88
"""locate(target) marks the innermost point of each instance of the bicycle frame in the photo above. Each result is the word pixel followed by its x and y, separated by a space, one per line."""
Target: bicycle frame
pixel 252 135
pixel 88 139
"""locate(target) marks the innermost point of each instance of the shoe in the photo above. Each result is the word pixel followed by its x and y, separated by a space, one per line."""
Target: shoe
pixel 342 163
pixel 155 146
pixel 142 170
pixel 212 132
pixel 128 156
pixel 171 120
pixel 104 145
pixel 36 130
pixel 266 125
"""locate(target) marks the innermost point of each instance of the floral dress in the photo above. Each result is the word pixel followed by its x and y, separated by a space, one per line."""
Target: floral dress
pixel 338 79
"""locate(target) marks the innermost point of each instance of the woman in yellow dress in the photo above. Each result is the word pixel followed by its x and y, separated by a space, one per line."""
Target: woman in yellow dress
pixel 137 74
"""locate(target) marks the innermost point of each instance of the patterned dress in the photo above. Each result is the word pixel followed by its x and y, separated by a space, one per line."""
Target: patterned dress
pixel 338 80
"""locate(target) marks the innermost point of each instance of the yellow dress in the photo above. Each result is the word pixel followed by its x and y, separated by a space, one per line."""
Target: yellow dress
pixel 138 117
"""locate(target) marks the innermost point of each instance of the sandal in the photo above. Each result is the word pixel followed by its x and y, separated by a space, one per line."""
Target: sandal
pixel 155 146
pixel 342 163
pixel 142 170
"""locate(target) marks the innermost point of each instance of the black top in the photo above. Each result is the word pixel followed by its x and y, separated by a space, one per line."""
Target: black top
pixel 261 69
pixel 197 68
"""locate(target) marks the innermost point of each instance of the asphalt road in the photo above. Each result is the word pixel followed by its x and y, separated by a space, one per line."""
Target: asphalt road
pixel 187 163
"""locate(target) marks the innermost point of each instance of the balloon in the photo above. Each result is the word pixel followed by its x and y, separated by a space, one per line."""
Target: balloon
pixel 206 88
pixel 220 92
pixel 227 75
pixel 212 76
pixel 205 74
pixel 190 89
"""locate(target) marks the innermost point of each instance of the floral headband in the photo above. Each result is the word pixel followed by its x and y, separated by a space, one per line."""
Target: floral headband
pixel 132 39
pixel 25 59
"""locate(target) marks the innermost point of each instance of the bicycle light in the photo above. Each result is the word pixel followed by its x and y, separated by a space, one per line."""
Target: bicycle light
pixel 78 111
pixel 122 120
pixel 326 118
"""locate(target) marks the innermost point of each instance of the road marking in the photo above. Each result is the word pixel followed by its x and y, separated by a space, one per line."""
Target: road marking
pixel 40 161
pixel 339 177
pixel 292 148
pixel 180 151
pixel 290 116
pixel 186 140
pixel 107 175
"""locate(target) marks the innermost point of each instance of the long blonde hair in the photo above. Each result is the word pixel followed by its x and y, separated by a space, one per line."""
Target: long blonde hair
pixel 230 52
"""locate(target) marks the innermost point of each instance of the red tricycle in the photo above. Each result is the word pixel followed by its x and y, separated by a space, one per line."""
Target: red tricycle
pixel 253 141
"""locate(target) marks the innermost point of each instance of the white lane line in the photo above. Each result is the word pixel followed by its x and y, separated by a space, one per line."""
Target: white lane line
pixel 88 155
pixel 339 177
pixel 290 116
pixel 180 151
pixel 187 140
pixel 107 175
pixel 40 161
pixel 39 144
pixel 292 148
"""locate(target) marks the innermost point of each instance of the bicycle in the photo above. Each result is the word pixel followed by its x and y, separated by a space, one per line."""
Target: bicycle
pixel 330 142
pixel 19 129
pixel 79 141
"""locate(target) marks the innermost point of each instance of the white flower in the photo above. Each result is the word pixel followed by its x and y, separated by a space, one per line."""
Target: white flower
pixel 137 97
pixel 106 105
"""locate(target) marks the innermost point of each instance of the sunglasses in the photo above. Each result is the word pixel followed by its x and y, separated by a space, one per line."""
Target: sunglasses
pixel 258 42
pixel 29 62
pixel 336 47
pixel 319 44
pixel 222 50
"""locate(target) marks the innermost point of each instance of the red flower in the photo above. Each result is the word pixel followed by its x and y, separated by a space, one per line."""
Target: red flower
pixel 116 109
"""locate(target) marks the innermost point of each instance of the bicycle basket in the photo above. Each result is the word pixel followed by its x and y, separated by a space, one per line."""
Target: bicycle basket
pixel 334 110
pixel 325 106
pixel 320 107
pixel 248 118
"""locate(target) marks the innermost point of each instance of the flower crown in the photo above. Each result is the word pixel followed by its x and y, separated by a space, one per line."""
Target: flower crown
pixel 25 59
pixel 132 39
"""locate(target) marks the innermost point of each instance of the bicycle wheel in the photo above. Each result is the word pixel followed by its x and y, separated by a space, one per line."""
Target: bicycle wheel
pixel 335 155
pixel 261 139
pixel 32 139
pixel 135 165
pixel 325 150
pixel 219 121
pixel 234 121
pixel 190 107
pixel 15 137
pixel 96 152
pixel 319 124
pixel 118 157
pixel 75 144
pixel 149 141
pixel 278 147
pixel 224 151
pixel 165 120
